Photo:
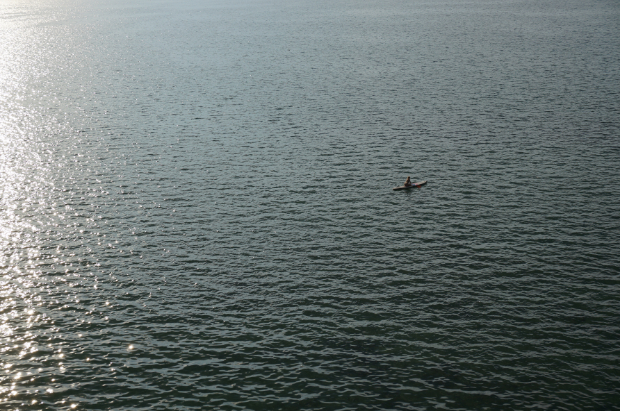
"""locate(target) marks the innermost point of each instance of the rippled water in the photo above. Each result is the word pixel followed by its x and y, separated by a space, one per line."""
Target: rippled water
pixel 196 208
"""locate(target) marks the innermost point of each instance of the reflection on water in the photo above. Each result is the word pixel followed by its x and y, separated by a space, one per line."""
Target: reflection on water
pixel 196 206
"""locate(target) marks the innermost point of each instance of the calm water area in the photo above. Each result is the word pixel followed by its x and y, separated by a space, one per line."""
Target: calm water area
pixel 196 205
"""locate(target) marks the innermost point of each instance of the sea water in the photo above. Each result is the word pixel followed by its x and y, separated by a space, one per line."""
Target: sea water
pixel 197 212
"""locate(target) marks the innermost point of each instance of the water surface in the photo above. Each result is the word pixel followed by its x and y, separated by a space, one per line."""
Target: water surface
pixel 196 208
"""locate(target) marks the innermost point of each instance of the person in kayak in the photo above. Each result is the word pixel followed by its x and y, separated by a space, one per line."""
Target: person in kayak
pixel 408 182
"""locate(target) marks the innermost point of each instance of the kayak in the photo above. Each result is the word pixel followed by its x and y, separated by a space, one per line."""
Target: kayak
pixel 419 184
